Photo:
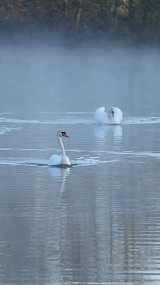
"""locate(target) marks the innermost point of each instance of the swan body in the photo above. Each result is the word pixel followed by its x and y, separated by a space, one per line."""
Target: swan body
pixel 60 160
pixel 112 116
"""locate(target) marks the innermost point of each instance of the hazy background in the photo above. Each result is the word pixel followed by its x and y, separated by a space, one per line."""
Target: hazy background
pixel 48 77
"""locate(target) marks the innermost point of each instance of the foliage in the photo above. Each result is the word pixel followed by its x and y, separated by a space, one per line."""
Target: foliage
pixel 139 19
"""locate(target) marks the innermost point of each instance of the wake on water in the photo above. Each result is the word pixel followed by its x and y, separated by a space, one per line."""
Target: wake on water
pixel 10 122
pixel 70 118
pixel 44 163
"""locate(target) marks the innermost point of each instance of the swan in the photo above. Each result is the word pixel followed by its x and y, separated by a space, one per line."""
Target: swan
pixel 113 115
pixel 61 160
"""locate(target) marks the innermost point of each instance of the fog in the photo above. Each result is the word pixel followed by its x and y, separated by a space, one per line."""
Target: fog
pixel 55 78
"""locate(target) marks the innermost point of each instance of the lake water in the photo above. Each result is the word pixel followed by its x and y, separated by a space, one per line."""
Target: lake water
pixel 97 222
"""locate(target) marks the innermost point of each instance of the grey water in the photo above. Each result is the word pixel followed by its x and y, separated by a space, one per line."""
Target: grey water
pixel 97 222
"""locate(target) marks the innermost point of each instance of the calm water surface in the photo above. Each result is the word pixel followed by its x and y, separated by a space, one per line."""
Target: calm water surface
pixel 95 223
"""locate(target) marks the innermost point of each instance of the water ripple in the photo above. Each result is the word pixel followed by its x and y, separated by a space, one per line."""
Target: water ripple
pixel 72 118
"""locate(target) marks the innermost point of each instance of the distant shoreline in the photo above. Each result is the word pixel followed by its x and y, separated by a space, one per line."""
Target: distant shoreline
pixel 74 22
pixel 37 36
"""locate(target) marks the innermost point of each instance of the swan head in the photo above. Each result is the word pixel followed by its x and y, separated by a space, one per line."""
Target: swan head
pixel 111 112
pixel 61 134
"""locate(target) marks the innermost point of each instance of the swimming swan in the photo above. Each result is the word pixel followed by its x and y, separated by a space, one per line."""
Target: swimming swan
pixel 112 116
pixel 61 160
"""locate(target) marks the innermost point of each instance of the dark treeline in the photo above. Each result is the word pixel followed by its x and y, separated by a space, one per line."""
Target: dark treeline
pixel 130 19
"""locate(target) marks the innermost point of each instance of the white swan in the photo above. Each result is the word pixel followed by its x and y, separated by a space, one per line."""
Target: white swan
pixel 61 160
pixel 112 116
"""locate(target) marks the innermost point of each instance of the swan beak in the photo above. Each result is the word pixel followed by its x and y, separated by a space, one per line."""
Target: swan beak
pixel 66 136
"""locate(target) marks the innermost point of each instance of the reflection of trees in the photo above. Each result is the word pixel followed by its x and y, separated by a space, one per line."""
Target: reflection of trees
pixel 102 225
pixel 127 229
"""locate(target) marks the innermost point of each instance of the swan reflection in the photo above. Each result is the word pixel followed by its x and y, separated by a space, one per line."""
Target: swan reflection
pixel 117 133
pixel 60 174
pixel 117 136
pixel 101 131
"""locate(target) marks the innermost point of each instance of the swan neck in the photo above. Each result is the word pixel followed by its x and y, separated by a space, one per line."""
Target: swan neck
pixel 62 146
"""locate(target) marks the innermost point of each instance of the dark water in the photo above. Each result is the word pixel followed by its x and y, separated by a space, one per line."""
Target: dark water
pixel 97 222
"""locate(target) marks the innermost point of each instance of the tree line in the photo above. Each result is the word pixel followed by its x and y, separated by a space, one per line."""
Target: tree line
pixel 136 19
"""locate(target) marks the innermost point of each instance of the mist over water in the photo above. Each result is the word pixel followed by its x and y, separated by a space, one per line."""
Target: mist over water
pixel 55 78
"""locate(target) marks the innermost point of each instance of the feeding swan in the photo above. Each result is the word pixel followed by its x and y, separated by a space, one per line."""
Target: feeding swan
pixel 112 116
pixel 61 160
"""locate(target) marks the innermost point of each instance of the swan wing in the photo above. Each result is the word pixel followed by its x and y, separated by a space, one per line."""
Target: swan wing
pixel 54 160
pixel 100 116
pixel 118 115
pixel 103 117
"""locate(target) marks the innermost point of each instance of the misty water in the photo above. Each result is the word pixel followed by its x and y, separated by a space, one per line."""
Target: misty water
pixel 97 222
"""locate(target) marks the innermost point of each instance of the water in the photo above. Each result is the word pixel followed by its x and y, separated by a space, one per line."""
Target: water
pixel 97 222
pixel 37 78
